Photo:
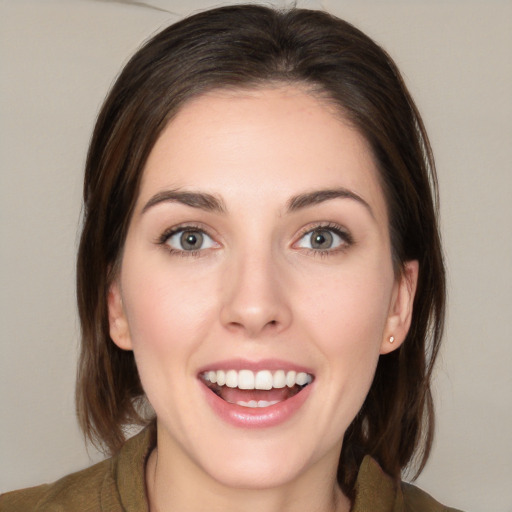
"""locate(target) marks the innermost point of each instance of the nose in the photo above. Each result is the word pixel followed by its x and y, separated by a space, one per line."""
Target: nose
pixel 255 301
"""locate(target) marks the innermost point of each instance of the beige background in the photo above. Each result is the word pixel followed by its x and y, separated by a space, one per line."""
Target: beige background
pixel 58 59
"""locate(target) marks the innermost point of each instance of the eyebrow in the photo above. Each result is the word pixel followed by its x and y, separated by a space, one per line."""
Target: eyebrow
pixel 319 196
pixel 209 202
pixel 199 200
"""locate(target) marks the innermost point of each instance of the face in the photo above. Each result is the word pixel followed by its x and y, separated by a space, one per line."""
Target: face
pixel 256 287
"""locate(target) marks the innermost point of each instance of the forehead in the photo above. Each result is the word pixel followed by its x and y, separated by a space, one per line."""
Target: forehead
pixel 261 144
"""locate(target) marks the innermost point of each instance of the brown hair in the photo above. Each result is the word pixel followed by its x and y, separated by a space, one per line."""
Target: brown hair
pixel 250 46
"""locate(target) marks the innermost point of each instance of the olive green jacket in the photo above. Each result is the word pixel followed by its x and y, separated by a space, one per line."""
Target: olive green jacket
pixel 117 485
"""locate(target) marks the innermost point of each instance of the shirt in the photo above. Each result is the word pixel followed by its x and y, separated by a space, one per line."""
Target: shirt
pixel 118 485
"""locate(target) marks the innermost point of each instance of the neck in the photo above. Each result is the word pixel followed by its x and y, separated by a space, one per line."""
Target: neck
pixel 176 483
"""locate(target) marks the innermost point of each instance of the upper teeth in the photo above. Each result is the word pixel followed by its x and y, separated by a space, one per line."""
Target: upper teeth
pixel 264 379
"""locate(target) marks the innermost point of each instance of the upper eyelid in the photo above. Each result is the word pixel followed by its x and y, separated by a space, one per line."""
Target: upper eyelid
pixel 164 241
pixel 340 231
pixel 337 228
pixel 327 226
pixel 167 233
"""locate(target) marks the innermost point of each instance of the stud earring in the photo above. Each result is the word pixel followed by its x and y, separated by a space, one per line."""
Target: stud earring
pixel 391 339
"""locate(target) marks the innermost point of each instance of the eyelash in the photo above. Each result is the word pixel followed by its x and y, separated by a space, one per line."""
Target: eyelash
pixel 342 233
pixel 163 240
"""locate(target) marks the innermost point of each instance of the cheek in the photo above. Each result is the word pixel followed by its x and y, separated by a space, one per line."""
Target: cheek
pixel 346 313
pixel 168 315
pixel 168 310
pixel 348 304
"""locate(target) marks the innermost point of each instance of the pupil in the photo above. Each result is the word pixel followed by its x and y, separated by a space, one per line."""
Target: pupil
pixel 191 240
pixel 321 240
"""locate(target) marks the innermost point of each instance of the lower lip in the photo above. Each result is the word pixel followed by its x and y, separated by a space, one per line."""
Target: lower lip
pixel 257 417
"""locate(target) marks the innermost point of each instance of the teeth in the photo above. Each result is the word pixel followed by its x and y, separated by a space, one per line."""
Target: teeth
pixel 290 379
pixel 260 403
pixel 264 379
pixel 245 379
pixel 302 379
pixel 221 377
pixel 279 379
pixel 232 379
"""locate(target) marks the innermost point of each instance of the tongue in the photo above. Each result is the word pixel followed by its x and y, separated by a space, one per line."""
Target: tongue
pixel 234 395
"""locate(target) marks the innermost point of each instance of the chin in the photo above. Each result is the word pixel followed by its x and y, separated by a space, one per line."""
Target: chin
pixel 267 461
pixel 256 473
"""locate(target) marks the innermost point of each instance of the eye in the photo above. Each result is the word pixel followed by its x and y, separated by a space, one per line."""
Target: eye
pixel 324 239
pixel 188 240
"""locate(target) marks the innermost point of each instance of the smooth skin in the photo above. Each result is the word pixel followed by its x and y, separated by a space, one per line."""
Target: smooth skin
pixel 289 259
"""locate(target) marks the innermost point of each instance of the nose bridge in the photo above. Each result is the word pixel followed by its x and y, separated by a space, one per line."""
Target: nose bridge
pixel 254 298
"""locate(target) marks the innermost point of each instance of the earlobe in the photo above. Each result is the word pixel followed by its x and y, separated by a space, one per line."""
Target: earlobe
pixel 400 313
pixel 118 324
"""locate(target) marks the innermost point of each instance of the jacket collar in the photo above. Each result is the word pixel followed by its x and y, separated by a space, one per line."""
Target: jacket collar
pixel 375 490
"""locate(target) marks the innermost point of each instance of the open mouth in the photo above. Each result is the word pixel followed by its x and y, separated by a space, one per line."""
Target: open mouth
pixel 259 389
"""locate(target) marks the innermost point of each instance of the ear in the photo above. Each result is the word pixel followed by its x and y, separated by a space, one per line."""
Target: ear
pixel 118 324
pixel 400 311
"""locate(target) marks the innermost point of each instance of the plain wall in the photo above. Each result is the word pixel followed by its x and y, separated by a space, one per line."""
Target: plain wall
pixel 59 58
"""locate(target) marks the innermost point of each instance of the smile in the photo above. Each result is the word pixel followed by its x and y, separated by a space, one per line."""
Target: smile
pixel 260 389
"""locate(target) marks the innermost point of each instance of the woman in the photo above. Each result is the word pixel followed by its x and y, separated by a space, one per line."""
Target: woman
pixel 260 278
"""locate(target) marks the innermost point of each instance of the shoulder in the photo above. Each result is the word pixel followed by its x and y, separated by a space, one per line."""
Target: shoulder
pixel 78 491
pixel 377 491
pixel 113 485
pixel 416 500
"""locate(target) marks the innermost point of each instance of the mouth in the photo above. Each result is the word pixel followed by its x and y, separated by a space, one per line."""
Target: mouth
pixel 256 390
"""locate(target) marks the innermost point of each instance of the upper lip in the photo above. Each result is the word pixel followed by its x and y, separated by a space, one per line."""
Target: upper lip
pixel 262 364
